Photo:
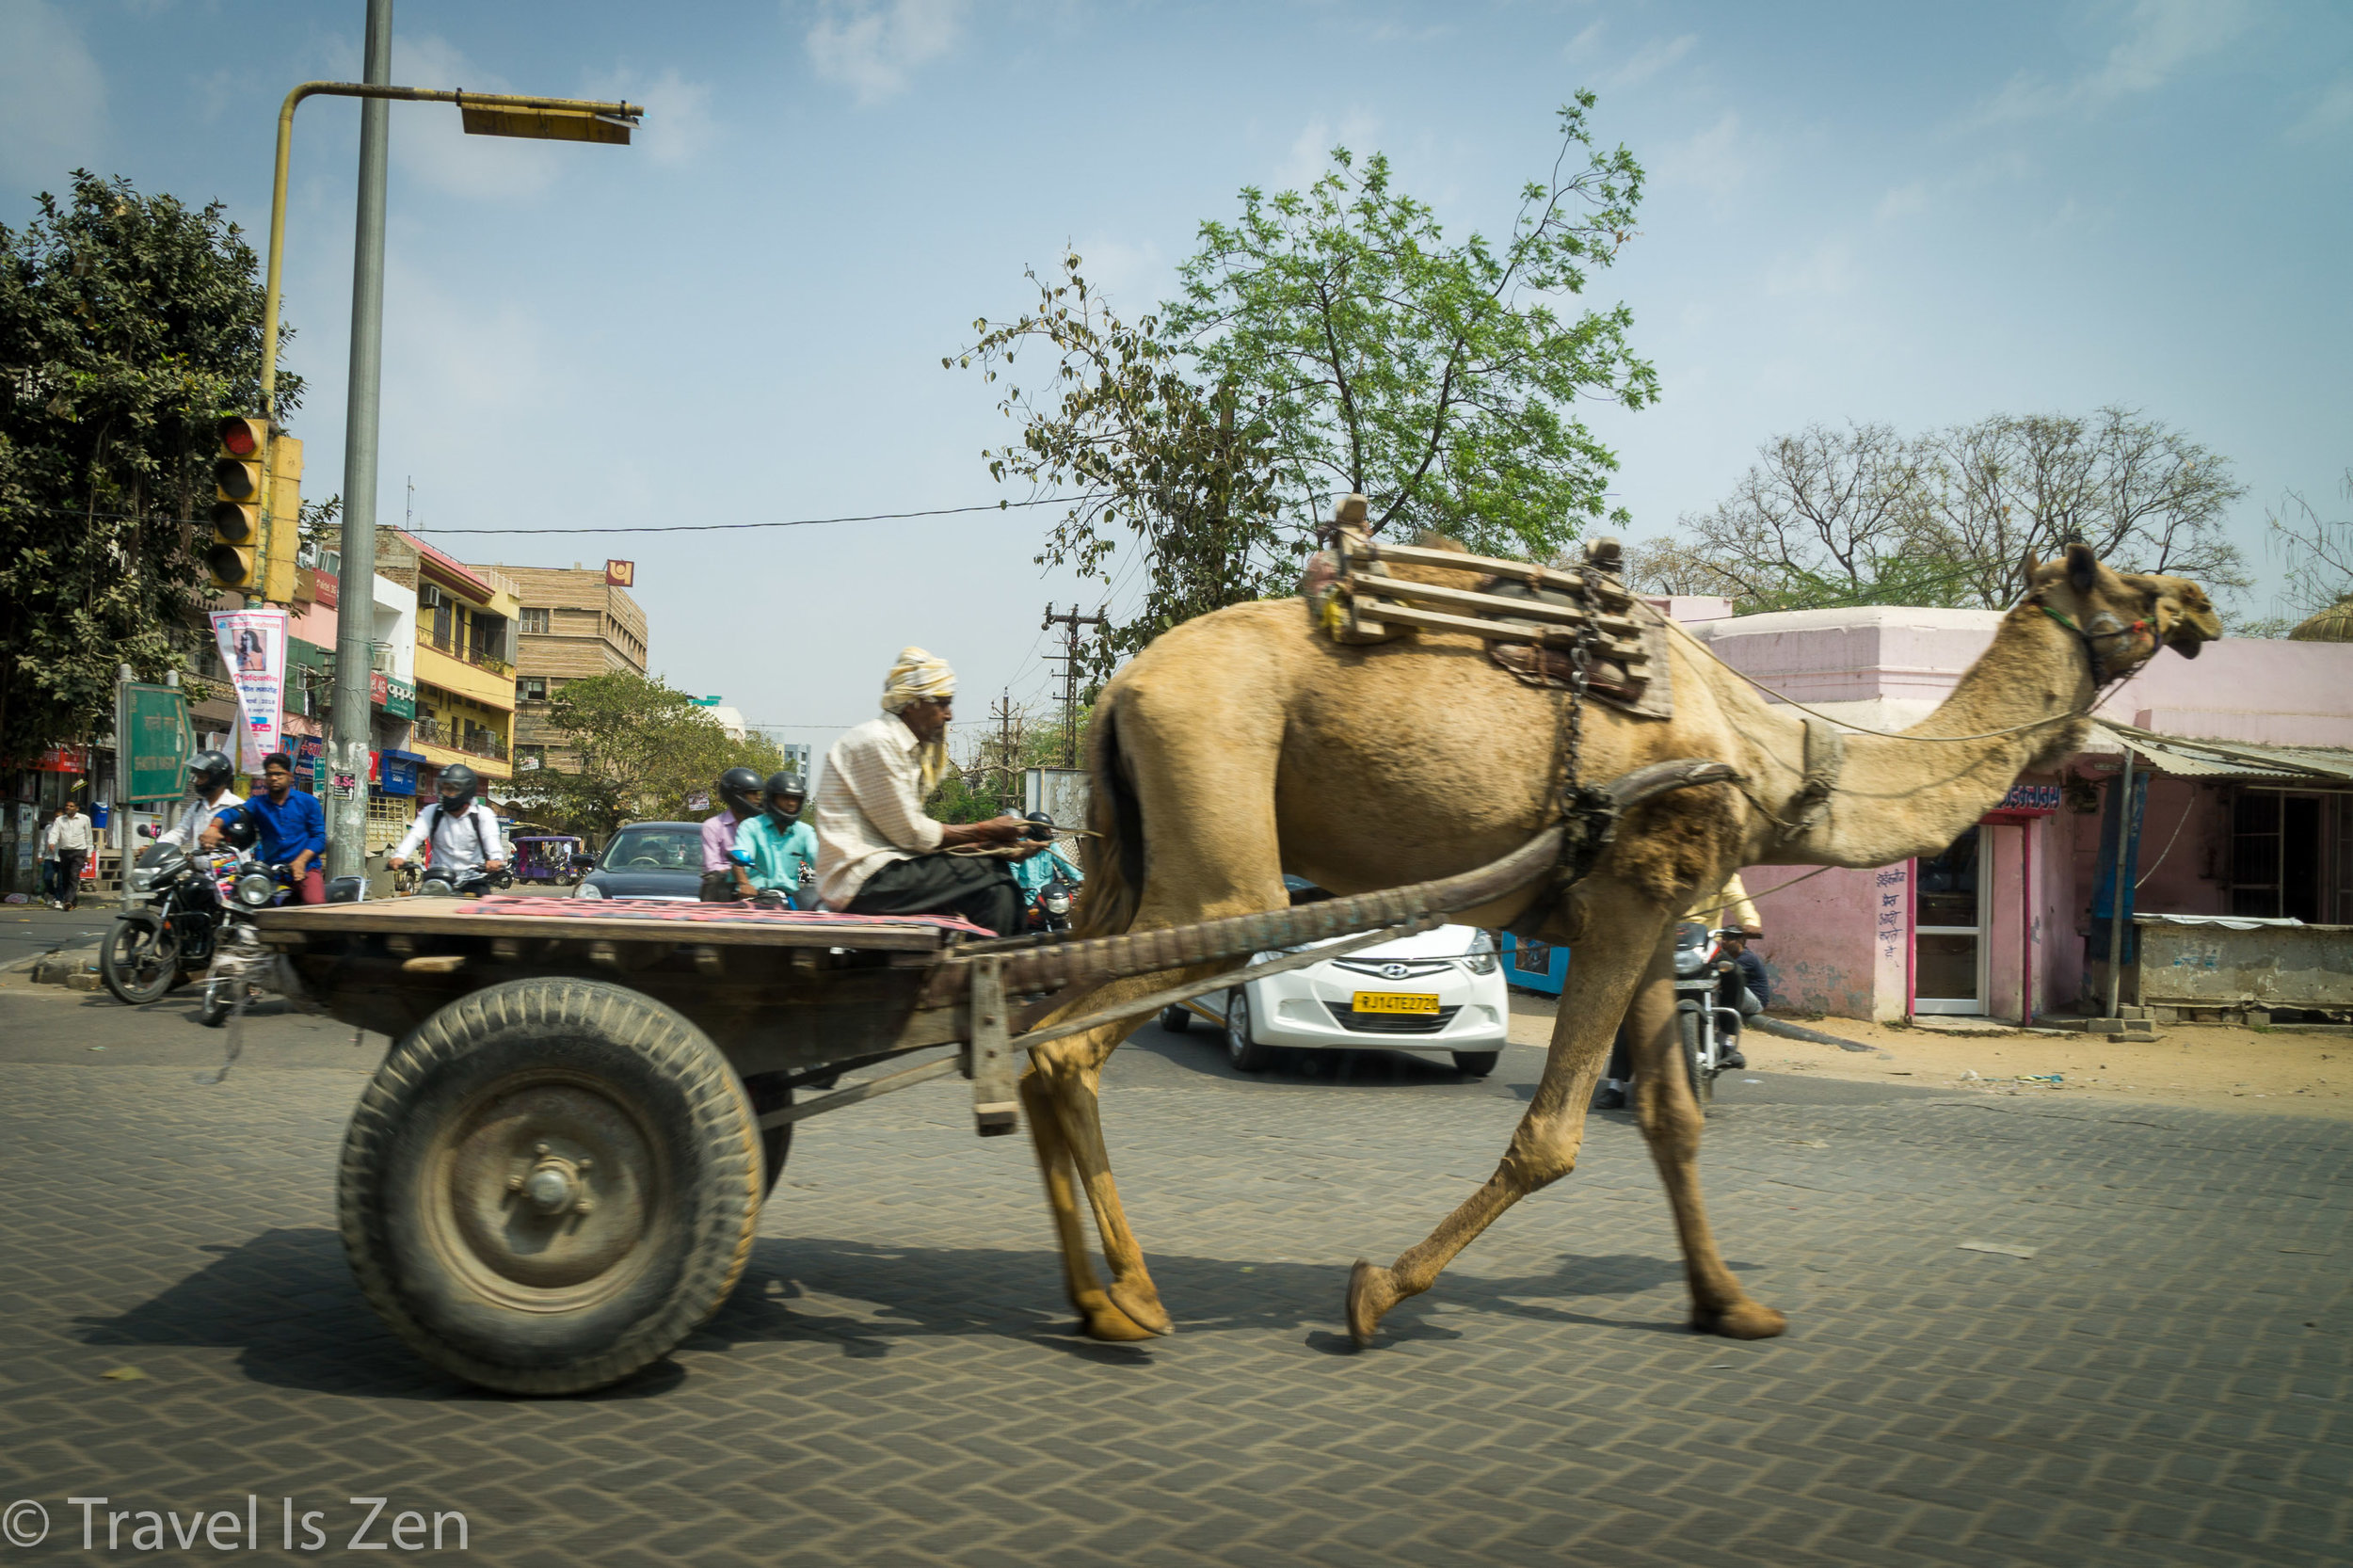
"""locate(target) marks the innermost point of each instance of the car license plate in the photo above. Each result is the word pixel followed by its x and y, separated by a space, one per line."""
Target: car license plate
pixel 1394 1001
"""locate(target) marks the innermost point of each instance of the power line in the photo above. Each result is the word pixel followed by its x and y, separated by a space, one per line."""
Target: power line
pixel 795 523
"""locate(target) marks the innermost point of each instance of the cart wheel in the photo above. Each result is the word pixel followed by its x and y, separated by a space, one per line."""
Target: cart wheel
pixel 139 957
pixel 549 1184
pixel 771 1092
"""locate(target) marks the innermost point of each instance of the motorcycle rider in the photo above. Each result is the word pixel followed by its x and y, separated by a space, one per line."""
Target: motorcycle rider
pixel 291 824
pixel 782 846
pixel 724 882
pixel 210 773
pixel 1043 867
pixel 1730 909
pixel 464 831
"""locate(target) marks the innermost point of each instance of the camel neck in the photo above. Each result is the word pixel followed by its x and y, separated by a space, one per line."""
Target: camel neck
pixel 2035 668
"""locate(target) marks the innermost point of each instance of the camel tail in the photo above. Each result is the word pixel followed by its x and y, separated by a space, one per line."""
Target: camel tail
pixel 1115 857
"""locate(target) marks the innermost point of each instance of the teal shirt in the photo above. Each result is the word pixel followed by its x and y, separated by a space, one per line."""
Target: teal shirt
pixel 1038 870
pixel 778 852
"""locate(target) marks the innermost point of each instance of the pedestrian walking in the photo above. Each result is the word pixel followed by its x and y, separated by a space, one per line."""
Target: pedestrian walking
pixel 48 864
pixel 70 837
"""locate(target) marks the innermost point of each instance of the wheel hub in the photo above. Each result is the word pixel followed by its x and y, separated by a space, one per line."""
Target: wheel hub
pixel 546 1191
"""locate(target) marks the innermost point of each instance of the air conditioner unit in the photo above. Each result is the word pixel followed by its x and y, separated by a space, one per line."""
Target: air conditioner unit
pixel 430 596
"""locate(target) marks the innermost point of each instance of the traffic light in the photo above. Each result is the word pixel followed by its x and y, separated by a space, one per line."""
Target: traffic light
pixel 238 495
pixel 281 524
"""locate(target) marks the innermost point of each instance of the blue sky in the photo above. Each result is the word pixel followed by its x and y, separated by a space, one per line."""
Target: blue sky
pixel 1906 213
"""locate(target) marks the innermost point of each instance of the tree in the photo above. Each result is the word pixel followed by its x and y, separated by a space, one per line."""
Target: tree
pixel 129 325
pixel 644 746
pixel 1330 341
pixel 2318 553
pixel 1865 515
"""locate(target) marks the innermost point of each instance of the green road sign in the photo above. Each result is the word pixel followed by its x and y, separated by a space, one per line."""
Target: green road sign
pixel 153 741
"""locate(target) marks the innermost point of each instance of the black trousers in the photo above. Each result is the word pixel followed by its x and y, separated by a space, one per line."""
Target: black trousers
pixel 70 875
pixel 979 888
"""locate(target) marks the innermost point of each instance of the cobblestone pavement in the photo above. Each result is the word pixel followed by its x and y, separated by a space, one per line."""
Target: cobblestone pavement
pixel 2165 1381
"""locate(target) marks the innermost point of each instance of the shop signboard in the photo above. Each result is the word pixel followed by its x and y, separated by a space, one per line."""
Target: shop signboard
pixel 397 697
pixel 396 772
pixel 152 733
pixel 311 763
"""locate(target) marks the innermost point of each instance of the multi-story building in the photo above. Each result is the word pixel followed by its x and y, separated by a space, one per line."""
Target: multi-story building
pixel 573 623
pixel 465 672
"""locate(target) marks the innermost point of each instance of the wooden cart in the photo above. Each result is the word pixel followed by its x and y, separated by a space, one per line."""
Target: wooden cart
pixel 557 1170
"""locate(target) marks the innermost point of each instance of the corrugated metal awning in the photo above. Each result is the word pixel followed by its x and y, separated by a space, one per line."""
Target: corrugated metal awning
pixel 2190 759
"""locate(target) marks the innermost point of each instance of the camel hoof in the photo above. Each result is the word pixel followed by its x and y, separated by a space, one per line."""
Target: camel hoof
pixel 1742 1319
pixel 1100 1320
pixel 1142 1307
pixel 1369 1295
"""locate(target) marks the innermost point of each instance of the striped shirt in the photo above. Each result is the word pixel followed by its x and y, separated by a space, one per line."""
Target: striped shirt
pixel 870 808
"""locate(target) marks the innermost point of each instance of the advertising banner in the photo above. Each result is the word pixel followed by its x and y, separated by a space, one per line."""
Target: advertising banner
pixel 253 652
pixel 311 763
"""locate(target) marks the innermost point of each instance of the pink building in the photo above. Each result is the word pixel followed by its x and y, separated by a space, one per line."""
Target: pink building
pixel 2258 824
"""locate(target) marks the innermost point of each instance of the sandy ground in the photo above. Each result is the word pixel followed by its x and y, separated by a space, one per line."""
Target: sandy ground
pixel 2213 1067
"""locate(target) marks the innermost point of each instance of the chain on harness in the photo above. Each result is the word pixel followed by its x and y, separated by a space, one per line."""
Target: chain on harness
pixel 1589 817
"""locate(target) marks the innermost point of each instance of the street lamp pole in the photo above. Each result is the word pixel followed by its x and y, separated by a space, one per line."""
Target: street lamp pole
pixel 348 729
pixel 485 114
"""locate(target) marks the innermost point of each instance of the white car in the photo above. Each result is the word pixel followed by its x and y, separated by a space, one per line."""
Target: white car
pixel 1439 991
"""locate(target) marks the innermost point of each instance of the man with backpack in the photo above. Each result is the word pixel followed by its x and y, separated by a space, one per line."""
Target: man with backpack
pixel 464 831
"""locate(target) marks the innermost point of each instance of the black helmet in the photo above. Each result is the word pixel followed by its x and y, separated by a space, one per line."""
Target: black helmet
pixel 458 783
pixel 1041 827
pixel 238 829
pixel 739 788
pixel 209 771
pixel 784 786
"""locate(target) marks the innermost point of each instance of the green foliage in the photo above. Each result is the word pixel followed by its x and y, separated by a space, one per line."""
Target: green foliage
pixel 644 747
pixel 1326 341
pixel 987 781
pixel 1867 515
pixel 129 325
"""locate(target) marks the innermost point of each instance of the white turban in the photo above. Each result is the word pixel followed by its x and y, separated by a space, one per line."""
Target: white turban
pixel 916 677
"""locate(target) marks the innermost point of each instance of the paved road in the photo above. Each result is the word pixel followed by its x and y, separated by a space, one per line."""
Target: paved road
pixel 2166 1380
pixel 27 930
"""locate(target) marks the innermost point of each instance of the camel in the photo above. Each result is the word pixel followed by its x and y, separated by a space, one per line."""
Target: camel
pixel 1244 744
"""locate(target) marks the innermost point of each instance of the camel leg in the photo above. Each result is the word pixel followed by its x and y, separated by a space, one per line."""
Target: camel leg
pixel 1671 1122
pixel 1544 1147
pixel 1098 1317
pixel 1069 1071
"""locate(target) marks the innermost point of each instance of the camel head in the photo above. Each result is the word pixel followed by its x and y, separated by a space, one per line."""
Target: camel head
pixel 2123 617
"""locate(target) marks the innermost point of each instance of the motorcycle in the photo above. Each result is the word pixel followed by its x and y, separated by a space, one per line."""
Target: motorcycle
pixel 1707 984
pixel 160 944
pixel 469 881
pixel 240 961
pixel 1049 907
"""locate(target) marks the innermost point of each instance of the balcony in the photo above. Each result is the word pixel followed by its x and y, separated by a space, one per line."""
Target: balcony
pixel 473 740
pixel 474 656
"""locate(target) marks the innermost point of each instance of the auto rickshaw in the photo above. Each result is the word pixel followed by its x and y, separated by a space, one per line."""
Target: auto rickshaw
pixel 555 858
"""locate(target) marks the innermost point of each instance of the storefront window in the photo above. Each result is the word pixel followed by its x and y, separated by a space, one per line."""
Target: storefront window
pixel 1949 937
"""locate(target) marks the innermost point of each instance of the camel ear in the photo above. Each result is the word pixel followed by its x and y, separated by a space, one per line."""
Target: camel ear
pixel 2083 566
pixel 2027 568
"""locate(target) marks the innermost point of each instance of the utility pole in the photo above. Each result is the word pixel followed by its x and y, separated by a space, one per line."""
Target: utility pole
pixel 1010 732
pixel 348 728
pixel 1070 656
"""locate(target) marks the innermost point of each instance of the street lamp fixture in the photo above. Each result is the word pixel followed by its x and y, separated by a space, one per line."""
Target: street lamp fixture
pixel 483 114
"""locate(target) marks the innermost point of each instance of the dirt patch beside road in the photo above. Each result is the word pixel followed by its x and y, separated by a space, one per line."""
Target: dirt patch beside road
pixel 2212 1066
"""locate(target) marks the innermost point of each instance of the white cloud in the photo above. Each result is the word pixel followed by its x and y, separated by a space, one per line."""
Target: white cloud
pixel 1310 152
pixel 678 123
pixel 1586 41
pixel 1652 58
pixel 52 97
pixel 1828 270
pixel 429 141
pixel 2331 114
pixel 1720 159
pixel 876 45
pixel 1904 200
pixel 2162 40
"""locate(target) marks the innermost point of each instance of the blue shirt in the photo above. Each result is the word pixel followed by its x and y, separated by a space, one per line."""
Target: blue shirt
pixel 288 830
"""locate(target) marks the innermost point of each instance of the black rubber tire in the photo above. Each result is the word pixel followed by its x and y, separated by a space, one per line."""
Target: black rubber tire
pixel 771 1092
pixel 1476 1064
pixel 1246 1053
pixel 499 1081
pixel 139 957
pixel 1687 1029
pixel 219 999
pixel 1177 1017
